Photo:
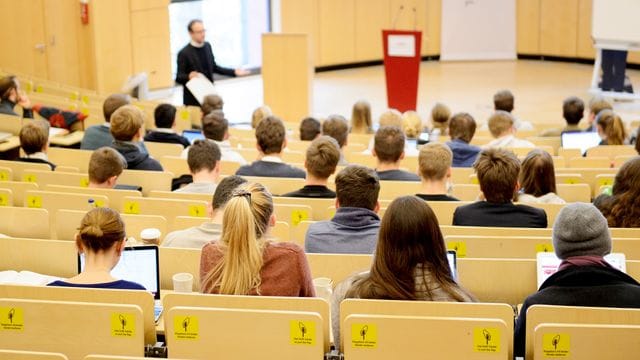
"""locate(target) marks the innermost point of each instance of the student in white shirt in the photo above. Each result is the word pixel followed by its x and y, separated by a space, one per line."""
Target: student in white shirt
pixel 501 126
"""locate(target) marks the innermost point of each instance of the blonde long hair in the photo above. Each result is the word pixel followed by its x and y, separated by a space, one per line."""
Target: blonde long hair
pixel 244 224
pixel 361 118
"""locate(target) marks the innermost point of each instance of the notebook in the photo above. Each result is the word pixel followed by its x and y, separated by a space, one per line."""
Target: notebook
pixel 193 135
pixel 140 265
pixel 547 264
pixel 580 140
pixel 453 265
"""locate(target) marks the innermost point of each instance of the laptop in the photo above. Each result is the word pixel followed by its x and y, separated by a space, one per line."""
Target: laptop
pixel 193 135
pixel 547 264
pixel 580 140
pixel 140 265
pixel 453 265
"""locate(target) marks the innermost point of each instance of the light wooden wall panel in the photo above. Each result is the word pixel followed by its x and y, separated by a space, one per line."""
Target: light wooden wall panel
pixel 528 26
pixel 21 29
pixel 287 75
pixel 112 41
pixel 301 17
pixel 151 49
pixel 559 27
pixel 585 43
pixel 337 31
pixel 62 28
pixel 371 17
pixel 431 43
pixel 426 19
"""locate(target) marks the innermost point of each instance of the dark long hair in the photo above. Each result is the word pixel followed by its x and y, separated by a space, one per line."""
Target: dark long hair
pixel 409 236
pixel 625 201
pixel 537 175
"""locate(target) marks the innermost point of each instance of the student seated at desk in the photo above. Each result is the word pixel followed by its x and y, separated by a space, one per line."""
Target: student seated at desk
pixel 361 122
pixel 503 129
pixel 462 127
pixel 337 127
pixel 621 208
pixel 271 138
pixel 310 129
pixel 10 95
pixel 321 161
pixel 243 262
pixel 434 163
pixel 127 128
pixel 98 136
pixel 498 171
pixel 105 166
pixel 581 239
pixel 165 119
pixel 596 105
pixel 410 262
pixel 101 238
pixel 204 164
pixel 196 237
pixel 538 179
pixel 34 141
pixel 610 128
pixel 389 150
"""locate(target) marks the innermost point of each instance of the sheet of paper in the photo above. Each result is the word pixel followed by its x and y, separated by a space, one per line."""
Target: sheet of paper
pixel 200 87
pixel 402 45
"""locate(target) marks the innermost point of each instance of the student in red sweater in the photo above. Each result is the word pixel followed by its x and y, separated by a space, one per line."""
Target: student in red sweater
pixel 243 262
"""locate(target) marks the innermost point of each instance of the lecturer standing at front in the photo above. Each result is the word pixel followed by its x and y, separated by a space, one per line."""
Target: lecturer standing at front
pixel 196 59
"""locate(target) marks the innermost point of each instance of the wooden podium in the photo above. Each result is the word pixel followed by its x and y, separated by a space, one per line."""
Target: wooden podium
pixel 287 75
pixel 402 67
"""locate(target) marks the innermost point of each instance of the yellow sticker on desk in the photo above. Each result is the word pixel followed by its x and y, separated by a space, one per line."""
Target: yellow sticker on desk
pixel 39 89
pixel 99 203
pixel 605 182
pixel 544 248
pixel 34 201
pixel 123 324
pixel 572 180
pixel 11 319
pixel 4 200
pixel 197 210
pixel 486 340
pixel 85 99
pixel 298 216
pixel 84 182
pixel 29 178
pixel 4 175
pixel 474 180
pixel 556 345
pixel 364 336
pixel 185 114
pixel 131 207
pixel 302 332
pixel 460 247
pixel 186 327
pixel 84 111
pixel 73 96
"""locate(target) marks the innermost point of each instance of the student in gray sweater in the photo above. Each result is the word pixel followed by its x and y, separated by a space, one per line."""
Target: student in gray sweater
pixel 354 227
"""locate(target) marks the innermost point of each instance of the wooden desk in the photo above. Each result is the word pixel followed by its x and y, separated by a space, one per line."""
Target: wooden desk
pixel 71 139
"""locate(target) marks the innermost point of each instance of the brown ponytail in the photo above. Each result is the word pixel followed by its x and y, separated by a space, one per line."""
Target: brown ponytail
pixel 100 228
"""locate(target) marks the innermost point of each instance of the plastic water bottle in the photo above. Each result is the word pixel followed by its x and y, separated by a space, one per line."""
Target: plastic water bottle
pixel 92 204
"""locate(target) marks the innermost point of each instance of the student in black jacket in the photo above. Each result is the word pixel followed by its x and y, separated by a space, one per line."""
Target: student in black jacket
pixel 165 119
pixel 127 129
pixel 498 171
pixel 321 161
pixel 271 140
pixel 196 59
pixel 580 239
pixel 34 141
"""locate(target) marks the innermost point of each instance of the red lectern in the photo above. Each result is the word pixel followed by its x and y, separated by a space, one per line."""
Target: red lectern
pixel 402 67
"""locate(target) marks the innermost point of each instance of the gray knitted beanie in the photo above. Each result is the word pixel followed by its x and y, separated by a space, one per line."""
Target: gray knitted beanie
pixel 581 229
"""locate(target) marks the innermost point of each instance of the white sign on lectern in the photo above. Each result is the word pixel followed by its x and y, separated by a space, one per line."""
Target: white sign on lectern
pixel 402 45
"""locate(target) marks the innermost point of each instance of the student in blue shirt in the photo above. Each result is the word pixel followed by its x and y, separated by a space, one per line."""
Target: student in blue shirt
pixel 101 238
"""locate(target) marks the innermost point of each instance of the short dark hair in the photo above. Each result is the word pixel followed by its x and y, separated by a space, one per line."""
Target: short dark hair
pixel 462 126
pixel 203 154
pixel 388 144
pixel 337 127
pixel 270 135
pixel 34 136
pixel 309 128
pixel 211 102
pixel 113 103
pixel 164 116
pixel 224 190
pixel 215 125
pixel 573 110
pixel 503 100
pixel 191 23
pixel 357 186
pixel 498 170
pixel 104 163
pixel 7 84
pixel 322 157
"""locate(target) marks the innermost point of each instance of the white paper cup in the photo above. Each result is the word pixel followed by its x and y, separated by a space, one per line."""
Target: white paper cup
pixel 324 287
pixel 150 236
pixel 183 282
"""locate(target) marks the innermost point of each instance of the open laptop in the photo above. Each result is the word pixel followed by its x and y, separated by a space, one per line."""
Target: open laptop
pixel 193 135
pixel 140 265
pixel 580 140
pixel 547 264
pixel 453 265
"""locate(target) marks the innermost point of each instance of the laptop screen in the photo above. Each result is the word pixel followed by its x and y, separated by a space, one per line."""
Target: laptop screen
pixel 580 140
pixel 547 264
pixel 138 264
pixel 451 257
pixel 193 135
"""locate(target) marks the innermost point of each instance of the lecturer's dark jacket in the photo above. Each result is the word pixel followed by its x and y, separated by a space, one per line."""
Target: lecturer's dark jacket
pixel 190 59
